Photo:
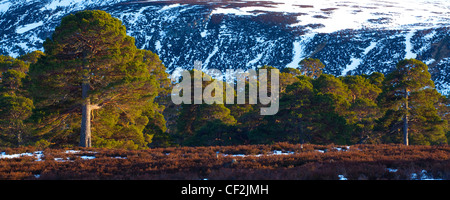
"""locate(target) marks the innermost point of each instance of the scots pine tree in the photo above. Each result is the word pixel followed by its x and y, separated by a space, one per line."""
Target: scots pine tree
pixel 15 106
pixel 92 65
pixel 329 110
pixel 293 122
pixel 31 57
pixel 409 101
pixel 192 117
pixel 363 111
pixel 311 67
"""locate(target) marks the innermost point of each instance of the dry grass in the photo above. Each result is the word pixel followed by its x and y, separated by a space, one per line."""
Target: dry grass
pixel 371 162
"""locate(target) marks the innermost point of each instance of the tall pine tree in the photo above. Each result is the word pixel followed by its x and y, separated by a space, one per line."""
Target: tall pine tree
pixel 409 102
pixel 15 106
pixel 192 117
pixel 90 64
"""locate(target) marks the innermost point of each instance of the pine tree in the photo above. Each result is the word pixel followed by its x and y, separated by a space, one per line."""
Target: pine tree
pixel 288 76
pixel 444 113
pixel 363 111
pixel 330 109
pixel 334 88
pixel 31 57
pixel 311 111
pixel 91 63
pixel 192 117
pixel 13 113
pixel 409 102
pixel 293 122
pixel 15 106
pixel 311 67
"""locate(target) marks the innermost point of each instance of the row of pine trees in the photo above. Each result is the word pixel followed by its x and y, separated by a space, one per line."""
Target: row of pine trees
pixel 92 87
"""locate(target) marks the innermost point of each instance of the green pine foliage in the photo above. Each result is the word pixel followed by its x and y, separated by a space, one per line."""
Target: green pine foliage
pixel 91 48
pixel 409 91
pixel 16 106
pixel 311 67
pixel 194 117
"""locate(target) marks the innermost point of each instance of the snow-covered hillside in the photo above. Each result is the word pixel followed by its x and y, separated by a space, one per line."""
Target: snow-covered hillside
pixel 348 36
pixel 338 15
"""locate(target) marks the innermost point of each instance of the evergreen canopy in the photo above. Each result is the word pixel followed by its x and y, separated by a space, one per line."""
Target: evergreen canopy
pixel 91 63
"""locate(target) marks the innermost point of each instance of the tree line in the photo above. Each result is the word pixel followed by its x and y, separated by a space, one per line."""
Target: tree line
pixel 93 87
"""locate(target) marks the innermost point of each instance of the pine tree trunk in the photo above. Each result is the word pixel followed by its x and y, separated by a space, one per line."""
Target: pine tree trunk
pixel 85 139
pixel 405 120
pixel 301 133
pixel 17 128
pixel 19 138
pixel 85 136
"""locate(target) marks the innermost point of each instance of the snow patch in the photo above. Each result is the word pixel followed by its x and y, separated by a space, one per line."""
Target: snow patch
pixel 430 61
pixel 370 47
pixel 61 159
pixel 299 49
pixel 274 153
pixel 28 27
pixel 206 63
pixel 339 15
pixel 391 170
pixel 409 46
pixel 231 11
pixel 204 33
pixel 342 178
pixel 37 154
pixel 60 3
pixel 139 14
pixel 168 7
pixel 254 61
pixel 72 151
pixel 355 62
pixel 423 175
pixel 430 35
pixel 87 157
pixel 346 148
pixel 158 46
pixel 4 6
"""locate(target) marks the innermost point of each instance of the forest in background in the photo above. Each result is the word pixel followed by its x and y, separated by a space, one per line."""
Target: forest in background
pixel 92 82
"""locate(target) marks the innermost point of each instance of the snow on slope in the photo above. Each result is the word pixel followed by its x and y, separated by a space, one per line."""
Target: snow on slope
pixel 351 14
pixel 357 61
pixel 4 6
pixel 299 50
pixel 333 15
pixel 409 48
pixel 75 4
pixel 28 27
pixel 250 33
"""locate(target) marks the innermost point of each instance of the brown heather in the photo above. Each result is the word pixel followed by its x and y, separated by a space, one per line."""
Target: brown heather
pixel 359 162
